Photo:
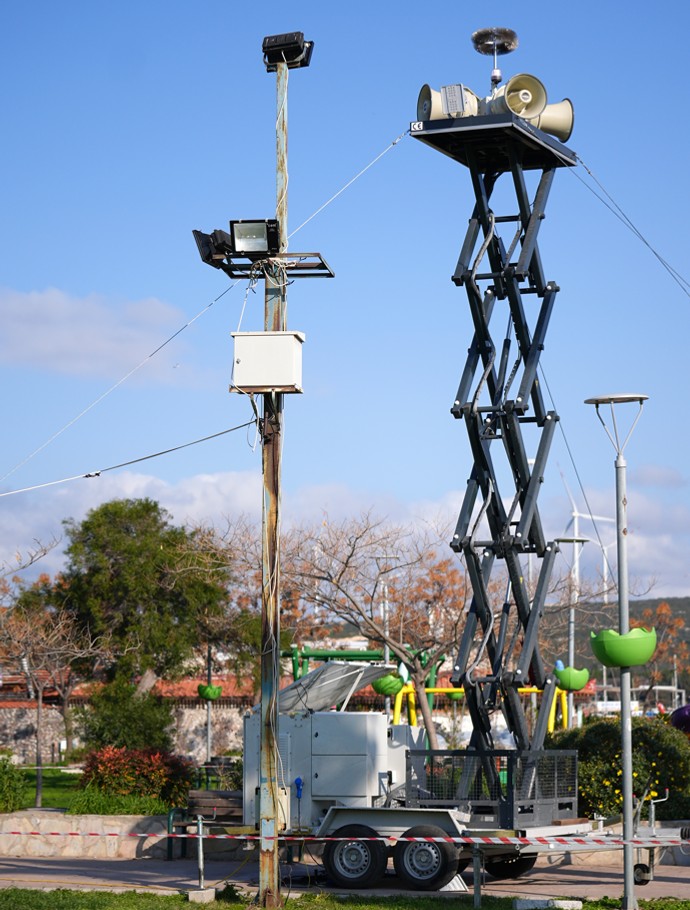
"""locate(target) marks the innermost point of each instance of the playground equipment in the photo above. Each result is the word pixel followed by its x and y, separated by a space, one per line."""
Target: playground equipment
pixel 408 692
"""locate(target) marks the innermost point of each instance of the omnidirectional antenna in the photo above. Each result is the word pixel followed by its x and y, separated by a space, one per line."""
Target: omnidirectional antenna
pixel 495 42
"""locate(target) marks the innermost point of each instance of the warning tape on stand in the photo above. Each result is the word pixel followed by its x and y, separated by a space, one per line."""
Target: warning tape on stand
pixel 553 841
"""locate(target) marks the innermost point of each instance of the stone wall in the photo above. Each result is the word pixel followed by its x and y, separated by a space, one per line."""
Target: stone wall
pixel 54 837
pixel 50 833
pixel 226 731
pixel 18 731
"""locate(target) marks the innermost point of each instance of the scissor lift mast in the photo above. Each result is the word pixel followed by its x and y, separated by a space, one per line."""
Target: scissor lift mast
pixel 501 404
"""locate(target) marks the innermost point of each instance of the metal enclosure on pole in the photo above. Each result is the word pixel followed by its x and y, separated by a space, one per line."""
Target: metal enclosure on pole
pixel 272 424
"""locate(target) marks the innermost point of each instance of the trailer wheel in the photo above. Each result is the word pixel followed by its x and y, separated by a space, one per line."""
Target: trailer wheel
pixel 501 867
pixel 425 865
pixel 642 874
pixel 354 863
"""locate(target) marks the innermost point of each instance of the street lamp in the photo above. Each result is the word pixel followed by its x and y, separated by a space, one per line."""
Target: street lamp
pixel 605 572
pixel 384 569
pixel 619 444
pixel 578 543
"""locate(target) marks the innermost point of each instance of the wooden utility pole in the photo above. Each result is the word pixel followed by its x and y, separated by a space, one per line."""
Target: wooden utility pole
pixel 272 424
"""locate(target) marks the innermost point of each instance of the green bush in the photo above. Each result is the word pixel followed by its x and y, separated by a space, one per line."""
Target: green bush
pixel 230 774
pixel 138 772
pixel 118 716
pixel 92 801
pixel 661 759
pixel 13 786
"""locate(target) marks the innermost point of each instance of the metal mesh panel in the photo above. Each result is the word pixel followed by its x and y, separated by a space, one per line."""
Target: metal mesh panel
pixel 498 789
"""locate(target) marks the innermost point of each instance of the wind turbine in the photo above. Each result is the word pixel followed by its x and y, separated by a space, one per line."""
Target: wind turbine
pixel 577 542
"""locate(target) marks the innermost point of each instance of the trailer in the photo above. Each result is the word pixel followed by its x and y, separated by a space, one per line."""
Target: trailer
pixel 370 791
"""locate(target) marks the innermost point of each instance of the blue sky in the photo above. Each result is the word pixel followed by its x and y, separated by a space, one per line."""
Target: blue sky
pixel 127 125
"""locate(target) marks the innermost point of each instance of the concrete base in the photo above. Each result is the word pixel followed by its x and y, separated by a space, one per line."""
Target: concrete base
pixel 202 895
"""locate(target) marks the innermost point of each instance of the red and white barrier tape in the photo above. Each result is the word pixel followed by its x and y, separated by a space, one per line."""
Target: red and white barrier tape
pixel 564 841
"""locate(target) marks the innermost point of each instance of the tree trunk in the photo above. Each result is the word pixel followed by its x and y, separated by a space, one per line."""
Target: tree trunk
pixel 425 711
pixel 146 683
pixel 68 721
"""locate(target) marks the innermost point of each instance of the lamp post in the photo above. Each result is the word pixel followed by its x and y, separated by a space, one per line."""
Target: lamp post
pixel 605 571
pixel 383 569
pixel 578 543
pixel 619 444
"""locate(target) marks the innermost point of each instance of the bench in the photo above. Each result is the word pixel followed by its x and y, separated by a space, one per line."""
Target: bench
pixel 221 808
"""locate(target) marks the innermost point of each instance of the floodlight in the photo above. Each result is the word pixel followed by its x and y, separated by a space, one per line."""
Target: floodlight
pixel 214 247
pixel 247 240
pixel 255 239
pixel 290 48
pixel 251 241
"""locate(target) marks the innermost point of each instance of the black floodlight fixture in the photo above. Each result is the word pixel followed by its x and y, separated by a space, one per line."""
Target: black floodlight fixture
pixel 290 48
pixel 214 247
pixel 248 243
pixel 255 239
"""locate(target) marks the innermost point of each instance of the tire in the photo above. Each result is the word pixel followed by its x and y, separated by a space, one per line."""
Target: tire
pixel 501 867
pixel 642 874
pixel 463 863
pixel 425 865
pixel 355 863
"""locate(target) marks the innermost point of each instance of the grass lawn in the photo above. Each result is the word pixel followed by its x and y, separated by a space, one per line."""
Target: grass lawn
pixel 58 788
pixel 19 899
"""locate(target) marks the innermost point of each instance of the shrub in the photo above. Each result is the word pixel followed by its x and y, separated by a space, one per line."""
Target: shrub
pixel 232 775
pixel 661 759
pixel 118 716
pixel 92 801
pixel 13 786
pixel 117 771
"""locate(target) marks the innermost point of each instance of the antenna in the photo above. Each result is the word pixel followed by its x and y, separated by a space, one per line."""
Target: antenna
pixel 495 42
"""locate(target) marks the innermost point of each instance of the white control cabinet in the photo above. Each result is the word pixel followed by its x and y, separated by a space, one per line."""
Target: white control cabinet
pixel 267 362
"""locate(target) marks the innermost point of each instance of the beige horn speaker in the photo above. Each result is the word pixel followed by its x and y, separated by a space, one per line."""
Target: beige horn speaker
pixel 523 95
pixel 557 119
pixel 429 104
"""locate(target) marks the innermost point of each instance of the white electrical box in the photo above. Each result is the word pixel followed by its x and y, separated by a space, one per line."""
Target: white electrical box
pixel 267 362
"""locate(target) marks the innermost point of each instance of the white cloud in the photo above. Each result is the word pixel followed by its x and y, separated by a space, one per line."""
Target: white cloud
pixel 656 556
pixel 88 336
pixel 655 475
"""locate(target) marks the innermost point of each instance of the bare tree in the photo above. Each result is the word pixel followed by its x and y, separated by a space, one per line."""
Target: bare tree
pixel 344 569
pixel 591 612
pixel 235 634
pixel 672 653
pixel 11 581
pixel 44 645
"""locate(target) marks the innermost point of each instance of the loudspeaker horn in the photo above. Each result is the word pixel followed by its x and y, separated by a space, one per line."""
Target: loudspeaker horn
pixel 557 119
pixel 523 95
pixel 429 104
pixel 451 101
